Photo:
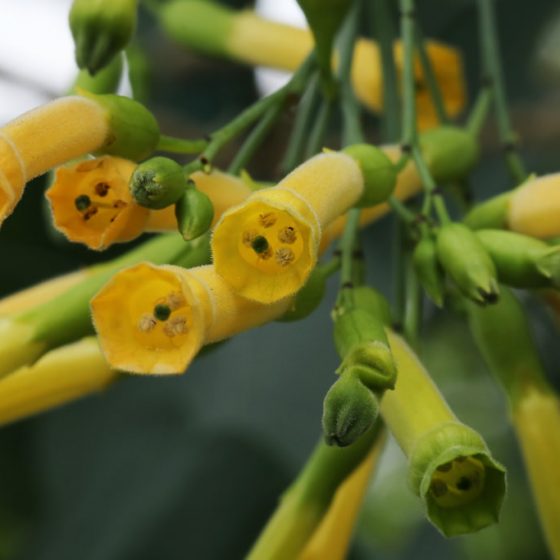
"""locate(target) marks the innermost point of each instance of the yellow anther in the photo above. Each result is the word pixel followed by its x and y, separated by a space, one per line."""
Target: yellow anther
pixel 175 326
pixel 175 300
pixel 248 236
pixel 284 256
pixel 146 323
pixel 287 235
pixel 268 219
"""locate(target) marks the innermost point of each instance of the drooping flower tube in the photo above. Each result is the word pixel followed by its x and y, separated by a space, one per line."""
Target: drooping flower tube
pixel 154 319
pixel 266 247
pixel 244 36
pixel 450 466
pixel 68 128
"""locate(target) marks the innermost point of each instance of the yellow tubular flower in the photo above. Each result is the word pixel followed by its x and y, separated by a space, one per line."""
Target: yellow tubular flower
pixel 40 293
pixel 266 247
pixel 536 417
pixel 60 376
pixel 43 138
pixel 91 202
pixel 533 208
pixel 257 41
pixel 154 319
pixel 332 538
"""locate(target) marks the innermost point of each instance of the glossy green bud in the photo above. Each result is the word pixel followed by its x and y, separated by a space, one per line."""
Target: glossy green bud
pixel 374 302
pixel 308 298
pixel 101 30
pixel 349 410
pixel 379 172
pixel 467 262
pixel 105 81
pixel 194 212
pixel 450 152
pixel 324 18
pixel 491 213
pixel 157 183
pixel 134 130
pixel 522 261
pixel 198 24
pixel 429 271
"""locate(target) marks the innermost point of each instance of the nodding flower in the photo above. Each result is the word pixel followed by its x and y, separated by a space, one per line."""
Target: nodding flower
pixel 266 247
pixel 154 319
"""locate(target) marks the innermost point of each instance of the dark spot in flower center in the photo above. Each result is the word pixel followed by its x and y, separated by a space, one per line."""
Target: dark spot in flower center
pixel 82 202
pixel 464 484
pixel 162 312
pixel 259 244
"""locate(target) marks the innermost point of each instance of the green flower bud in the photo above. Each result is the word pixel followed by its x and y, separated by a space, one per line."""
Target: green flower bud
pixel 105 81
pixel 491 213
pixel 380 175
pixel 134 130
pixel 157 183
pixel 325 18
pixel 522 261
pixel 452 471
pixel 101 29
pixel 308 298
pixel 349 410
pixel 428 269
pixel 450 152
pixel 374 302
pixel 194 212
pixel 198 24
pixel 464 258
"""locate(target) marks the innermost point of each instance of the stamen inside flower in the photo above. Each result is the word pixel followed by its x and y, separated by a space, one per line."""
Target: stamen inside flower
pixel 458 482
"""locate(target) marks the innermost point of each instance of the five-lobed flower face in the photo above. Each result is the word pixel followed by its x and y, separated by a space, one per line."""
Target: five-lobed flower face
pixel 151 319
pixel 91 202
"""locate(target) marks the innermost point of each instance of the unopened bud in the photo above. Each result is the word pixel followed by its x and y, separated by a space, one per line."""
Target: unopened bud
pixel 429 270
pixel 157 183
pixel 374 302
pixel 194 212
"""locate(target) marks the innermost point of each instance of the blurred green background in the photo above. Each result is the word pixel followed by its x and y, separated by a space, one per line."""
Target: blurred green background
pixel 191 466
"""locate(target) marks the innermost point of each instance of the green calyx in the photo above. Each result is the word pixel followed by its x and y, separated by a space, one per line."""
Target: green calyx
pixel 105 81
pixel 450 152
pixel 491 213
pixel 380 175
pixel 374 302
pixel 308 298
pixel 157 183
pixel 349 410
pixel 198 24
pixel 461 485
pixel 101 30
pixel 522 261
pixel 134 130
pixel 194 212
pixel 464 258
pixel 428 269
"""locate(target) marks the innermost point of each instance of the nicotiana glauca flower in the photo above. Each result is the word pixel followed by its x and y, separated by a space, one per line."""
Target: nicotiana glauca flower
pixel 244 36
pixel 266 248
pixel 504 337
pixel 299 524
pixel 60 376
pixel 27 334
pixel 101 30
pixel 68 128
pixel 154 319
pixel 450 467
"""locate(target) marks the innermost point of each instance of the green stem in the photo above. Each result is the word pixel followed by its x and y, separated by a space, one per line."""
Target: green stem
pixel 330 267
pixel 409 87
pixel 384 30
pixel 319 130
pixel 301 126
pixel 306 502
pixel 255 139
pixel 401 210
pixel 430 189
pixel 479 112
pixel 492 64
pixel 180 146
pixel 430 77
pixel 412 304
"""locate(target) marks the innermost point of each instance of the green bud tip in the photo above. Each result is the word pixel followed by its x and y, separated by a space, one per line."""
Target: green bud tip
pixel 162 312
pixel 380 175
pixel 158 183
pixel 349 410
pixel 259 244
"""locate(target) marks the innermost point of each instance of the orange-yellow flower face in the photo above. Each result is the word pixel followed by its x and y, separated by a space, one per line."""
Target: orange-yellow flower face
pixel 151 319
pixel 91 202
pixel 266 250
